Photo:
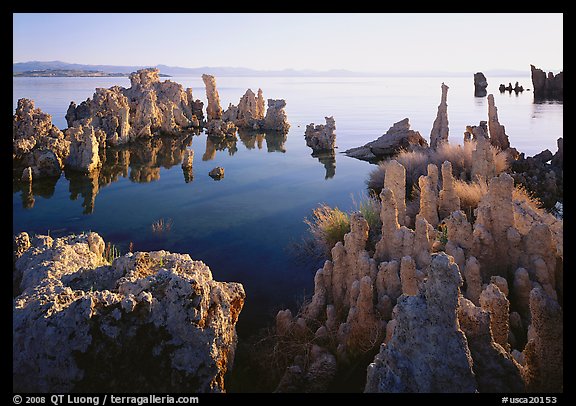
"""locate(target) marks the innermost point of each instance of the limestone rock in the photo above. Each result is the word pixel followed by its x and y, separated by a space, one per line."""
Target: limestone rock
pixel 147 108
pixel 498 136
pixel 428 200
pixel 395 180
pixel 217 173
pixel 547 87
pixel 495 302
pixel 544 351
pixel 439 133
pixel 398 137
pixel 483 166
pixel 276 118
pixel 83 149
pixel 36 142
pixel 213 110
pixel 449 200
pixel 81 325
pixel 480 84
pixel 427 352
pixel 495 370
pixel 321 137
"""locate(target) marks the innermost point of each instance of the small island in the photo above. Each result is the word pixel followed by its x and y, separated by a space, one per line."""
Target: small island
pixel 72 73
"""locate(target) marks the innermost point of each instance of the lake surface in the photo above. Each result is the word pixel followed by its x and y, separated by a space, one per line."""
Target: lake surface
pixel 244 225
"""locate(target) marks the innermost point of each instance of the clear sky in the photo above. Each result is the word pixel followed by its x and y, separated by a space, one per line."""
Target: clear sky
pixel 376 42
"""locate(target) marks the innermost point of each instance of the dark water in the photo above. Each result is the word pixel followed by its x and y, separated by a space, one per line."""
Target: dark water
pixel 244 225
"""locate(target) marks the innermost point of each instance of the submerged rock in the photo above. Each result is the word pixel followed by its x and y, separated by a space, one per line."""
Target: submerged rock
pixel 398 137
pixel 321 137
pixel 217 173
pixel 149 320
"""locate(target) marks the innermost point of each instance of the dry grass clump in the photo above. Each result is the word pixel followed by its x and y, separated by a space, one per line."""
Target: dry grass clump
pixel 416 163
pixel 161 226
pixel 328 226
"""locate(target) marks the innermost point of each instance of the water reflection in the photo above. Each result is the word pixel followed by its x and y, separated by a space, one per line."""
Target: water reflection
pixel 328 159
pixel 141 162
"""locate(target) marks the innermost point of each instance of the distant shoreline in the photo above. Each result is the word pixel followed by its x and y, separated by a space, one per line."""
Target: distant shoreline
pixel 70 73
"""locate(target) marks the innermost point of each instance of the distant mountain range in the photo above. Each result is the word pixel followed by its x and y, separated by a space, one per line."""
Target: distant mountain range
pixel 235 71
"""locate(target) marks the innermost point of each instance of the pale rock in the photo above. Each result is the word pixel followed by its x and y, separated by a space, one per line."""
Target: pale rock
pixel 321 137
pixel 408 276
pixel 427 351
pixel 428 200
pixel 495 369
pixel 439 133
pixel 495 302
pixel 498 136
pixel 395 180
pixel 36 142
pixel 83 149
pixel 544 364
pixel 448 201
pixel 276 118
pixel 213 110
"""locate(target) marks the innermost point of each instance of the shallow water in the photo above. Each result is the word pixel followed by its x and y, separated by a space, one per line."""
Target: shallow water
pixel 244 225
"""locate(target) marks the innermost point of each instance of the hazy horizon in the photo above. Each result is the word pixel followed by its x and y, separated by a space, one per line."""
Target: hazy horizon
pixel 358 42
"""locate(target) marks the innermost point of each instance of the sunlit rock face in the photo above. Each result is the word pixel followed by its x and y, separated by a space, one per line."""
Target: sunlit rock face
pixel 37 143
pixel 149 319
pixel 213 110
pixel 276 118
pixel 476 307
pixel 147 108
pixel 321 137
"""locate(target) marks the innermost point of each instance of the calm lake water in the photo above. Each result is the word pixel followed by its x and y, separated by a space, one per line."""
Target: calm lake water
pixel 244 225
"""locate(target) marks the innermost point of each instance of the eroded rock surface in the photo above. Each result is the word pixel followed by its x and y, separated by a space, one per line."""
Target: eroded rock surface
pixel 321 137
pixel 36 142
pixel 398 137
pixel 480 84
pixel 547 86
pixel 149 320
pixel 439 133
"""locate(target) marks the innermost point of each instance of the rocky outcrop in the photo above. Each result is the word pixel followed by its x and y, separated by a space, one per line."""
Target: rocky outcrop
pixel 83 149
pixel 494 368
pixel 483 165
pixel 213 110
pixel 250 111
pixel 547 86
pixel 498 136
pixel 147 108
pixel 398 137
pixel 221 129
pixel 439 133
pixel 544 351
pixel 542 174
pixel 276 118
pixel 427 322
pixel 405 295
pixel 217 173
pixel 152 319
pixel 480 84
pixel 37 143
pixel 321 137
